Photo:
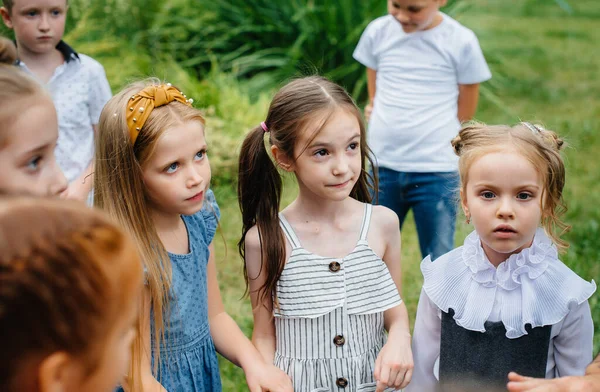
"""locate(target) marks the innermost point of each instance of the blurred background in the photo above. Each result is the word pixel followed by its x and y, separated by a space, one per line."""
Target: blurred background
pixel 231 55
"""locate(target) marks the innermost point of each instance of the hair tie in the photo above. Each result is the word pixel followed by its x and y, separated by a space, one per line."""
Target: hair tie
pixel 140 105
pixel 264 126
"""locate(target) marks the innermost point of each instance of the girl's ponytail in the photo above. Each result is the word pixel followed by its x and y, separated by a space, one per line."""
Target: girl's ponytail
pixel 259 196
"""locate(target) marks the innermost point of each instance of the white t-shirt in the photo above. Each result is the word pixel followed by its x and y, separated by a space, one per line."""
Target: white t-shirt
pixel 415 112
pixel 79 90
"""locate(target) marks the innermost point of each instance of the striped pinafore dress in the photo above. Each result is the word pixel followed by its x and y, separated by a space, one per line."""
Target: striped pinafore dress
pixel 329 323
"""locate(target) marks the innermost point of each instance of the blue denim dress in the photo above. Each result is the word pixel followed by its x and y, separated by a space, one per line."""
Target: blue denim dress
pixel 188 357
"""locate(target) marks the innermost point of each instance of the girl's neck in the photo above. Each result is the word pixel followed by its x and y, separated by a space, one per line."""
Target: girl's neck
pixel 165 222
pixel 315 208
pixel 497 258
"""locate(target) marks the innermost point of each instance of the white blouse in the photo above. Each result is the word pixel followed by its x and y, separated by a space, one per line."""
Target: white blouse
pixel 531 287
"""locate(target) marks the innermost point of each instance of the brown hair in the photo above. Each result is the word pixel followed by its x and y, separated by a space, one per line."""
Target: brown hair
pixel 17 89
pixel 66 273
pixel 120 191
pixel 8 4
pixel 540 146
pixel 299 103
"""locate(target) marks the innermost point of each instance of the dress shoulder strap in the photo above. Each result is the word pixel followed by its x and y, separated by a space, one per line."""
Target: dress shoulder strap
pixel 289 232
pixel 364 229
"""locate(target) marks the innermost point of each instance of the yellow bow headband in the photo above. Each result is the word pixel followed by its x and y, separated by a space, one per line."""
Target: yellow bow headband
pixel 141 105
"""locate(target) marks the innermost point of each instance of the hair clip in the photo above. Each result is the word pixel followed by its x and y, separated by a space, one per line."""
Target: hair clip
pixel 535 130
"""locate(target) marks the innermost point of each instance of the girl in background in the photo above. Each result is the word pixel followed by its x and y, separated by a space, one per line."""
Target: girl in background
pixel 504 301
pixel 152 176
pixel 70 286
pixel 324 274
pixel 28 132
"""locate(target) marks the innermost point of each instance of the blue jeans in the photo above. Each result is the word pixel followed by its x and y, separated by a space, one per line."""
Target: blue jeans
pixel 433 198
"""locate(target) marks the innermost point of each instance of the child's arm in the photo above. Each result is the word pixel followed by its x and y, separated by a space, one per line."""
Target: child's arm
pixel 573 346
pixel 235 346
pixel 588 383
pixel 468 96
pixel 426 345
pixel 394 365
pixel 263 333
pixel 371 88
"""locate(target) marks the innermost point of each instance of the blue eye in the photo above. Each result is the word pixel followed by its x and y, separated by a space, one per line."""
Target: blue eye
pixel 487 195
pixel 172 168
pixel 56 13
pixel 34 163
pixel 524 196
pixel 200 155
pixel 32 13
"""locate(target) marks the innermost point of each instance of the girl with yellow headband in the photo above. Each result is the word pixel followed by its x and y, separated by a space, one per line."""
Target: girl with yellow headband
pixel 152 176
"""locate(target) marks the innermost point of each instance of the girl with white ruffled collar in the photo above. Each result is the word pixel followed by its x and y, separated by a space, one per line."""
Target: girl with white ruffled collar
pixel 504 301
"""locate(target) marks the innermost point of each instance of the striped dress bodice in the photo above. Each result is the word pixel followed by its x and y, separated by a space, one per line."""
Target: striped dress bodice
pixel 329 320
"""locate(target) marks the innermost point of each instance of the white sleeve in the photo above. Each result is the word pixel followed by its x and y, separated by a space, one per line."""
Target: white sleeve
pixel 99 91
pixel 364 52
pixel 425 346
pixel 573 346
pixel 472 67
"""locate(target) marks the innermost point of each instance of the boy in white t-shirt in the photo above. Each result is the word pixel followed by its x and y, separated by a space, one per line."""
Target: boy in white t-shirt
pixel 423 72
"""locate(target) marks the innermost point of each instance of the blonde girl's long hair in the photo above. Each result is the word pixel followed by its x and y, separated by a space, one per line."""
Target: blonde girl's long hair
pixel 120 191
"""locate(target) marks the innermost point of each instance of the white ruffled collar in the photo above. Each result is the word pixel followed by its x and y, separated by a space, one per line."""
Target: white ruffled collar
pixel 530 287
pixel 532 261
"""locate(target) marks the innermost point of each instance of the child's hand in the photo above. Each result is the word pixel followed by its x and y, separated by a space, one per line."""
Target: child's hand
pixel 394 364
pixel 264 377
pixel 518 383
pixel 368 111
pixel 76 191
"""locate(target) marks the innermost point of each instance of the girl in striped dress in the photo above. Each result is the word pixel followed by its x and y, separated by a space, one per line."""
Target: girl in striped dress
pixel 324 273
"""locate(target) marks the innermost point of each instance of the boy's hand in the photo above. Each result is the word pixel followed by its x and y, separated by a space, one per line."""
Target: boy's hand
pixel 394 365
pixel 518 383
pixel 368 111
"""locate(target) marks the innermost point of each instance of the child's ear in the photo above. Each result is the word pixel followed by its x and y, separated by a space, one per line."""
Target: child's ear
pixel 56 372
pixel 282 159
pixel 6 17
pixel 463 202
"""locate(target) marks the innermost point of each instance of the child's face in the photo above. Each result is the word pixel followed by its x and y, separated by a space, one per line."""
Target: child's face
pixel 329 166
pixel 416 15
pixel 503 196
pixel 177 174
pixel 27 155
pixel 39 24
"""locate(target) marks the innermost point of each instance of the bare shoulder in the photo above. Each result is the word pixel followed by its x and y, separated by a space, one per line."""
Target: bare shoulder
pixel 385 219
pixel 252 240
